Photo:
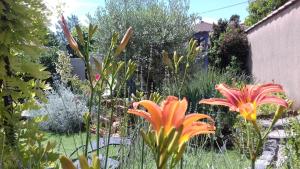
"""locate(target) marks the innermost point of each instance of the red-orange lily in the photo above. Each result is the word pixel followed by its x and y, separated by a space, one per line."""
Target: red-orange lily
pixel 247 99
pixel 171 114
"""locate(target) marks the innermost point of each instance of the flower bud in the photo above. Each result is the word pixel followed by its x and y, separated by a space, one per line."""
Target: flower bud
pixel 73 44
pixel 124 41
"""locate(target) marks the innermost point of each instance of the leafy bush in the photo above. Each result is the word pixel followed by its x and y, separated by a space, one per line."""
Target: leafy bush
pixel 229 45
pixel 259 9
pixel 34 151
pixel 49 57
pixel 202 86
pixel 240 133
pixel 64 111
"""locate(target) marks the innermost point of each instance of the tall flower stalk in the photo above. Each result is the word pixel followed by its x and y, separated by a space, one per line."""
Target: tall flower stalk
pixel 178 61
pixel 104 74
pixel 170 128
pixel 84 54
pixel 246 101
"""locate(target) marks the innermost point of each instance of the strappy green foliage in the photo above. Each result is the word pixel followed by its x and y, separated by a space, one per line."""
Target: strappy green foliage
pixel 22 26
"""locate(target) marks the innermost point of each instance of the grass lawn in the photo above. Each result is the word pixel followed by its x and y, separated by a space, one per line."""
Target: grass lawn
pixel 66 144
pixel 195 158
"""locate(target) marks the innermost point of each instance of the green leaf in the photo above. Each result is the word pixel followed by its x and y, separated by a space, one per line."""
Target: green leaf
pixel 83 162
pixel 92 30
pixel 96 162
pixel 131 67
pixel 66 163
pixel 146 138
pixel 180 153
pixel 97 64
pixel 80 34
pixel 167 140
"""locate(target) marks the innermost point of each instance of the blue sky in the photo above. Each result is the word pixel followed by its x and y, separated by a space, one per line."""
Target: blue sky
pixel 82 7
pixel 198 6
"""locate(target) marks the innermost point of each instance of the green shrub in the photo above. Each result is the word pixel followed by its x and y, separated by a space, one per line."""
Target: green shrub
pixel 240 133
pixel 229 45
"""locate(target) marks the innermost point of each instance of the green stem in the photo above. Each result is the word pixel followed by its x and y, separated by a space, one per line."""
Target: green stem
pixel 252 164
pixel 90 105
pixel 98 123
pixel 88 123
pixel 143 147
pixel 184 77
pixel 259 145
pixel 110 125
pixel 176 83
pixel 181 163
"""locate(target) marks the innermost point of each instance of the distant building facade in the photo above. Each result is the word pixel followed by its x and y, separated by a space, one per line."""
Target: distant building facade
pixel 202 31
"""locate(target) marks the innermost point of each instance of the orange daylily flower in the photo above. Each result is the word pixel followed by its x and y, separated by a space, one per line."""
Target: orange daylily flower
pixel 246 100
pixel 71 40
pixel 171 114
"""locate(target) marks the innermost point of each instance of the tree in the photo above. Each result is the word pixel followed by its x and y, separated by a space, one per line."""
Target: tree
pixel 22 28
pixel 158 25
pixel 49 57
pixel 259 9
pixel 229 45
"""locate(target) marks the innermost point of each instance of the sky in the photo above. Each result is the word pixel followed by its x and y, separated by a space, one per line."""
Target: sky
pixel 209 10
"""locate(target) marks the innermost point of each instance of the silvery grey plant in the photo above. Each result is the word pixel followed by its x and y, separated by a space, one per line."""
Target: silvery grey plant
pixel 64 111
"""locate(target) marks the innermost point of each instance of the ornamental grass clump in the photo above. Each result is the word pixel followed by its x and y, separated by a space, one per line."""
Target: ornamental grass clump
pixel 170 128
pixel 246 101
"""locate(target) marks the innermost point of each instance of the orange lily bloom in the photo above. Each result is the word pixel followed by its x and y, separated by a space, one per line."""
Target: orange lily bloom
pixel 171 114
pixel 246 100
pixel 71 40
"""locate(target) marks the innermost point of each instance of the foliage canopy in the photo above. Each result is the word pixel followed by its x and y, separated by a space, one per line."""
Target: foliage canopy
pixel 158 25
pixel 259 9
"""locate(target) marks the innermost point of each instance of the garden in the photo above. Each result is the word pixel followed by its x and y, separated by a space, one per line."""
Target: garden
pixel 135 88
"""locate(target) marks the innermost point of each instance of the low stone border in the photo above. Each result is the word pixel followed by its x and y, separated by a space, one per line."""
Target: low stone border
pixel 272 148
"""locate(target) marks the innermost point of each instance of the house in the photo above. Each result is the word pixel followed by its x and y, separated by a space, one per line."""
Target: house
pixel 275 49
pixel 202 31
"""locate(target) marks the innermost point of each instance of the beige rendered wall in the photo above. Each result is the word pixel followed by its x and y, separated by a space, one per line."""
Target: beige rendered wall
pixel 275 51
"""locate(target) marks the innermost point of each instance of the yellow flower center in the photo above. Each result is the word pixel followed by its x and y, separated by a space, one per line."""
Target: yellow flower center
pixel 248 111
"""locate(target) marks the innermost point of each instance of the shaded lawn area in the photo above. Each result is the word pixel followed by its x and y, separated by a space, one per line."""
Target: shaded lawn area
pixel 195 158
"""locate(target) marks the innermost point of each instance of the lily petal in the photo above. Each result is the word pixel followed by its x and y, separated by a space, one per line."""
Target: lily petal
pixel 196 129
pixel 153 109
pixel 191 118
pixel 218 101
pixel 232 95
pixel 169 107
pixel 266 89
pixel 145 115
pixel 180 113
pixel 274 100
